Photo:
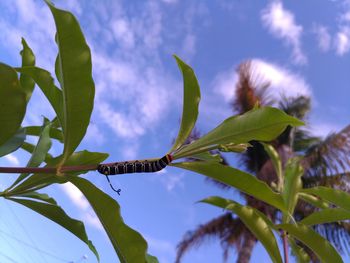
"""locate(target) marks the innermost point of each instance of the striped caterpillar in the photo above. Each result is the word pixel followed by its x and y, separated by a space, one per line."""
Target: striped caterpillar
pixel 135 166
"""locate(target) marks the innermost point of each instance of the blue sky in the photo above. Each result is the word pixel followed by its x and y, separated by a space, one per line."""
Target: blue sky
pixel 301 47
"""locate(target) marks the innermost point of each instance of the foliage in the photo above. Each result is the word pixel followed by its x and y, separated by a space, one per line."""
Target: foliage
pixel 325 163
pixel 72 102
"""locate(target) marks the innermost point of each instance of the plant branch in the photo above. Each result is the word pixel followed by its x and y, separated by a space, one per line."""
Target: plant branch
pixel 48 170
pixel 285 246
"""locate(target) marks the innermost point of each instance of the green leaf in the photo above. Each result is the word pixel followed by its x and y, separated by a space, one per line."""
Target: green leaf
pixel 276 161
pixel 252 220
pixel 262 124
pixel 326 216
pixel 28 59
pixel 34 183
pixel 39 196
pixel 57 215
pixel 298 252
pixel 314 200
pixel 46 83
pixel 39 152
pixel 191 100
pixel 207 156
pixel 12 103
pixel 320 246
pixel 36 130
pixel 75 77
pixel 28 147
pixel 128 244
pixel 244 182
pixel 292 185
pixel 13 143
pixel 337 197
pixel 151 259
pixel 233 147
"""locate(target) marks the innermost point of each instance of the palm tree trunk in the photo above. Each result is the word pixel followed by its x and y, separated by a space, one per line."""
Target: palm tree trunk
pixel 247 248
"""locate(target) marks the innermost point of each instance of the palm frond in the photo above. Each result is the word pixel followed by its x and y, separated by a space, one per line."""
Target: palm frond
pixel 337 233
pixel 297 107
pixel 228 229
pixel 331 156
pixel 303 140
pixel 339 181
pixel 251 88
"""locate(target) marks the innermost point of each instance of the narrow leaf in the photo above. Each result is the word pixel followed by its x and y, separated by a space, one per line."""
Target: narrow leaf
pixel 207 156
pixel 57 215
pixel 28 147
pixel 314 200
pixel 320 246
pixel 276 161
pixel 39 152
pixel 337 197
pixel 244 182
pixel 28 59
pixel 13 143
pixel 151 259
pixel 46 83
pixel 298 252
pixel 128 244
pixel 39 196
pixel 292 185
pixel 252 220
pixel 36 130
pixel 75 69
pixel 233 147
pixel 328 215
pixel 262 124
pixel 191 100
pixel 12 103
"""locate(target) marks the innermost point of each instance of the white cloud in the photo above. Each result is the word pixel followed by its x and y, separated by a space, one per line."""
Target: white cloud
pixel 12 159
pixel 94 134
pixel 130 151
pixel 281 23
pixel 75 195
pixel 119 123
pixel 189 45
pixel 224 84
pixel 90 217
pixel 132 89
pixel 169 180
pixel 162 248
pixel 123 32
pixel 342 41
pixel 282 82
pixel 29 24
pixel 82 204
pixel 170 1
pixel 323 37
pixel 323 129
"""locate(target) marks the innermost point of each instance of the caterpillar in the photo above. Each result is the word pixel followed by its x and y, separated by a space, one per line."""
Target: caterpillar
pixel 135 166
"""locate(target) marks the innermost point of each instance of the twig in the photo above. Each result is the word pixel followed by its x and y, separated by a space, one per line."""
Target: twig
pixel 285 246
pixel 47 170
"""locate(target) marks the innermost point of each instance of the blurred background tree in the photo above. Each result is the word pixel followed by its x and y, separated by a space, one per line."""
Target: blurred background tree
pixel 325 161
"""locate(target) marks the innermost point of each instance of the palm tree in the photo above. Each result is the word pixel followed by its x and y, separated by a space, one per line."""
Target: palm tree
pixel 325 162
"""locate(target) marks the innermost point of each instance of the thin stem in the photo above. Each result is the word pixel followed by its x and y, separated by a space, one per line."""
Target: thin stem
pixel 194 151
pixel 47 170
pixel 285 246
